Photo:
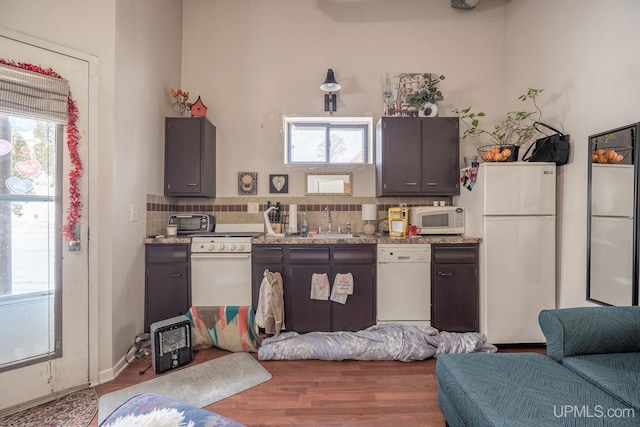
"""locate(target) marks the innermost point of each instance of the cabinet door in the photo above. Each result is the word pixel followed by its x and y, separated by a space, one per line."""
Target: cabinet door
pixel 399 156
pixel 359 312
pixel 189 157
pixel 167 282
pixel 166 291
pixel 441 152
pixel 264 258
pixel 455 301
pixel 454 288
pixel 303 314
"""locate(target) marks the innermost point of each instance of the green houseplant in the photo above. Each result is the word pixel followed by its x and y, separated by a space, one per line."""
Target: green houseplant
pixel 515 130
pixel 427 96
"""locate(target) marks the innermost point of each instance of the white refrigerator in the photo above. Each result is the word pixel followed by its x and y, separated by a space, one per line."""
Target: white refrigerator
pixel 611 260
pixel 512 207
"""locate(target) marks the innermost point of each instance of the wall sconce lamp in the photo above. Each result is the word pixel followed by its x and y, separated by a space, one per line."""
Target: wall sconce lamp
pixel 330 85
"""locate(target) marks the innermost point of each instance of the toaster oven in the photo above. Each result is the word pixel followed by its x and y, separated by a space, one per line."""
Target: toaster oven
pixel 193 223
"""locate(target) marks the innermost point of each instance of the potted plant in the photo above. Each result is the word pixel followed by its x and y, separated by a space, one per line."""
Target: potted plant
pixel 517 129
pixel 426 98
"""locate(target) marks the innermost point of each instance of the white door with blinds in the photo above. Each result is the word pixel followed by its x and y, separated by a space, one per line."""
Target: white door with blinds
pixel 44 285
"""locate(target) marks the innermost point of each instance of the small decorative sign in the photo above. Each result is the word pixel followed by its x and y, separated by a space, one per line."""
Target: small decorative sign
pixel 278 184
pixel 247 183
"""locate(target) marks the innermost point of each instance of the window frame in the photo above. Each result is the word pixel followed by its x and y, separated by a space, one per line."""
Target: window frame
pixel 330 123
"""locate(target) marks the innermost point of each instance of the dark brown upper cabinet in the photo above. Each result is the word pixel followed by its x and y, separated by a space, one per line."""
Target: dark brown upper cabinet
pixel 189 157
pixel 417 156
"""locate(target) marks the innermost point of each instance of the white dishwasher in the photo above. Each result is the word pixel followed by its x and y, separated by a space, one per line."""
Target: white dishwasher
pixel 404 284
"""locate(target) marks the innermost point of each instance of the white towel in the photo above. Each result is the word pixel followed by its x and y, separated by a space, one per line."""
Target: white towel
pixel 342 287
pixel 320 286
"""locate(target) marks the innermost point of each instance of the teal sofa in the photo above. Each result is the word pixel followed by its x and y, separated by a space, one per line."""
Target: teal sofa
pixel 589 377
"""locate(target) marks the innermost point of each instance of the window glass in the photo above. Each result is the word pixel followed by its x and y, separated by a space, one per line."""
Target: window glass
pixel 30 222
pixel 312 140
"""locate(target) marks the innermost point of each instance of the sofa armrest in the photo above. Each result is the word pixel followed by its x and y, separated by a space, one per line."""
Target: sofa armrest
pixel 590 330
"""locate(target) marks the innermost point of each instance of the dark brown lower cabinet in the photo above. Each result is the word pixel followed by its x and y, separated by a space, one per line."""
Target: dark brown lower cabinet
pixel 167 282
pixel 297 266
pixel 454 287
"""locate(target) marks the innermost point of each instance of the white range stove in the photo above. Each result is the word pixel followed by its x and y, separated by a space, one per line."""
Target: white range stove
pixel 221 265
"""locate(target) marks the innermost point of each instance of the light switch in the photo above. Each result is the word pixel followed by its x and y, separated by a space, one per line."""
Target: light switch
pixel 134 213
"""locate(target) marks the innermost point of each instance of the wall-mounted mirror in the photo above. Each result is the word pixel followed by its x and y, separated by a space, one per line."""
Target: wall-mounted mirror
pixel 612 230
pixel 328 184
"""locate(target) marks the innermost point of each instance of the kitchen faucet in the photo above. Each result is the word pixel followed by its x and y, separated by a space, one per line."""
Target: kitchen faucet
pixel 327 214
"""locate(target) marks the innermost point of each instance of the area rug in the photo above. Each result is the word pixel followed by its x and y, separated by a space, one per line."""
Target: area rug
pixel 76 409
pixel 199 385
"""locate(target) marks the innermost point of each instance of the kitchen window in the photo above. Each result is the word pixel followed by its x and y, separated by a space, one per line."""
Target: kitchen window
pixel 328 140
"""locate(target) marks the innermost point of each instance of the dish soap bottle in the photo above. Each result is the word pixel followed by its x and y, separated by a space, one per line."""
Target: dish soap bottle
pixel 304 230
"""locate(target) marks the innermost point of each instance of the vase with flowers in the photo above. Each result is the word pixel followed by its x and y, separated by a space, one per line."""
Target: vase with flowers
pixel 180 99
pixel 515 130
pixel 426 98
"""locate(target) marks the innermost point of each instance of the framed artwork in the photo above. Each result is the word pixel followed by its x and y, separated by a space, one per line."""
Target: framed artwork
pixel 279 184
pixel 396 88
pixel 247 183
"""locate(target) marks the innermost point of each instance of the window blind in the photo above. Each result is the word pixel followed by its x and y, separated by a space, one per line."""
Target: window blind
pixel 25 93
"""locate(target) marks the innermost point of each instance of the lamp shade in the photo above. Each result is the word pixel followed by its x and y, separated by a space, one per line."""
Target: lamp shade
pixel 330 84
pixel 369 212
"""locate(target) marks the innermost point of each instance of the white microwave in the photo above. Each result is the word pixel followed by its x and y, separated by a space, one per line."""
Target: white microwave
pixel 437 219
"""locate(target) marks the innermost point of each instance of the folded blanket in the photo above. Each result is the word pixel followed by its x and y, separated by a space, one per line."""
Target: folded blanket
pixel 226 327
pixel 379 342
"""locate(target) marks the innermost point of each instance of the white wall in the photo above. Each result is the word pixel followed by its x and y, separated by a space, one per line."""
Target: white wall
pixel 147 65
pixel 583 52
pixel 253 62
pixel 138 49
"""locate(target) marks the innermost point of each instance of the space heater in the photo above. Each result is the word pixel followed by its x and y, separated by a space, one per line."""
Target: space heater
pixel 171 343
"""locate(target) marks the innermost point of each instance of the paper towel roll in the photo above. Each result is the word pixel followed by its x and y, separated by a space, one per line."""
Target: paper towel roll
pixel 293 218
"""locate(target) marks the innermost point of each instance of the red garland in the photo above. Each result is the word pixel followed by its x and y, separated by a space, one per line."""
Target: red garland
pixel 73 138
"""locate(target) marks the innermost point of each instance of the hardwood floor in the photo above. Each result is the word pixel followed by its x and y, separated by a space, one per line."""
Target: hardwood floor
pixel 327 393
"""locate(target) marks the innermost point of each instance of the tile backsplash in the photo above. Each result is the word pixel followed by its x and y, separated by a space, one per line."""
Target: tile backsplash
pixel 233 210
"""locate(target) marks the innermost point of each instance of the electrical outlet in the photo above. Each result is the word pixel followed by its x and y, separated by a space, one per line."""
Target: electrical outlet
pixel 253 208
pixel 134 213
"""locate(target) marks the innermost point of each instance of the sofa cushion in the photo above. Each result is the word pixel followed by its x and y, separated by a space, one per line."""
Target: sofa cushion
pixel 519 389
pixel 590 330
pixel 616 373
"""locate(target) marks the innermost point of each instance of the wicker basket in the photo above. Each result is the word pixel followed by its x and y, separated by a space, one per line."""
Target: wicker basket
pixel 610 155
pixel 498 153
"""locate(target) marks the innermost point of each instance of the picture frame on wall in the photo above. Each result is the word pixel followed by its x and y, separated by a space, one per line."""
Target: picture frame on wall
pixel 247 183
pixel 396 88
pixel 278 183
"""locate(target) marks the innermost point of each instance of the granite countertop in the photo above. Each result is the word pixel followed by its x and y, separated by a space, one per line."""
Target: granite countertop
pixel 167 240
pixel 361 240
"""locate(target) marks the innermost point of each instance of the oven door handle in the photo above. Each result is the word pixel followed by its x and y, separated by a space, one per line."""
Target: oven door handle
pixel 220 256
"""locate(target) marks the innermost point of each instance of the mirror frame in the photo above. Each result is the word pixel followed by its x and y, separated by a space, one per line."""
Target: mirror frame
pixel 635 161
pixel 314 177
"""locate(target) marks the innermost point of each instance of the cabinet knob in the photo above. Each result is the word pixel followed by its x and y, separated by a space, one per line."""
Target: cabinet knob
pixel 410 183
pixel 432 184
pixel 176 275
pixel 192 184
pixel 445 274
